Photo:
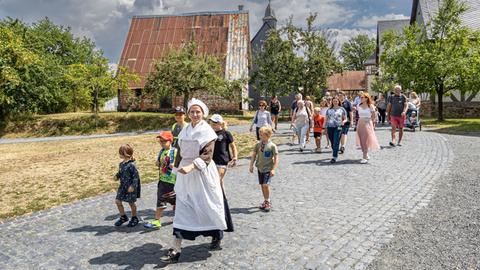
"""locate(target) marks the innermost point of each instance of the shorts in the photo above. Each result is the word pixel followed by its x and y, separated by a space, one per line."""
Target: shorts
pixel 317 134
pixel 345 128
pixel 397 121
pixel 163 189
pixel 222 166
pixel 264 178
pixel 274 113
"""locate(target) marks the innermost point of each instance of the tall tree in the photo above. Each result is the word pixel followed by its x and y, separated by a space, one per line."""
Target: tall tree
pixel 275 66
pixel 356 51
pixel 439 59
pixel 184 72
pixel 319 61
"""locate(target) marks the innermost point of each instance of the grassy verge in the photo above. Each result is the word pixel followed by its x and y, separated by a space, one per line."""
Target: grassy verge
pixel 454 126
pixel 37 176
pixel 87 123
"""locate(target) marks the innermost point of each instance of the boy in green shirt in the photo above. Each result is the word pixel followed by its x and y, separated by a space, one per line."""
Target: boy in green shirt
pixel 165 193
pixel 265 156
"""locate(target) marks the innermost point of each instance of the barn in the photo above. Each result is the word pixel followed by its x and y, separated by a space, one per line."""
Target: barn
pixel 223 34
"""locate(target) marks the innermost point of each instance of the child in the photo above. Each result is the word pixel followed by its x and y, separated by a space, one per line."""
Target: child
pixel 265 156
pixel 179 125
pixel 221 154
pixel 165 194
pixel 318 123
pixel 129 189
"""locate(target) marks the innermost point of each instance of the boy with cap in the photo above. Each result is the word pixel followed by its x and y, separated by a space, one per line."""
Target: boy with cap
pixel 165 193
pixel 179 125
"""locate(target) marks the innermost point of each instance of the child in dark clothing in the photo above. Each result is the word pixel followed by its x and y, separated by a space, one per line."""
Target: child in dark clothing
pixel 225 151
pixel 129 189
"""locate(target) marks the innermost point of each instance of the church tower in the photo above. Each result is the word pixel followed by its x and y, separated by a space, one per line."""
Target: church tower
pixel 269 22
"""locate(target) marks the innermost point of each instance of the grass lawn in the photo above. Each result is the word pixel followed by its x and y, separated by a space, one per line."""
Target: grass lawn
pixel 38 176
pixel 84 123
pixel 454 126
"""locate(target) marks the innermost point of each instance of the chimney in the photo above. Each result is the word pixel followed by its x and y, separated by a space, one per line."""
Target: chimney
pixel 240 7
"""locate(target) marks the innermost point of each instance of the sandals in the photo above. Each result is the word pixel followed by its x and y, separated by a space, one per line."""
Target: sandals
pixel 121 220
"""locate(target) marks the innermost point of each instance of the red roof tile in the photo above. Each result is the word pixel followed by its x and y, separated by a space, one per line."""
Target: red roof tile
pixel 150 38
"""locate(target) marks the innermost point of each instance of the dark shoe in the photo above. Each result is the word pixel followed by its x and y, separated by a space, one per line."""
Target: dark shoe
pixel 301 149
pixel 333 160
pixel 122 220
pixel 392 144
pixel 399 144
pixel 215 245
pixel 133 222
pixel 171 256
pixel 342 150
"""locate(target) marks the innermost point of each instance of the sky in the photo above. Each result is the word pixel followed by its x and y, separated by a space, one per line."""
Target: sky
pixel 106 22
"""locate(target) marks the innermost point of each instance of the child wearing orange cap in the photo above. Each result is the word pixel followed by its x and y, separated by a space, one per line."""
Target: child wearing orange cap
pixel 165 193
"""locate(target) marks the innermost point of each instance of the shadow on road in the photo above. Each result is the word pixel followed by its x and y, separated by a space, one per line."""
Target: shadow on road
pixel 245 211
pixel 145 214
pixel 326 162
pixel 149 254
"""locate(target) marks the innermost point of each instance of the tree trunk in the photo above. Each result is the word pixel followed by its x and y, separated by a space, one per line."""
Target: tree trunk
pixel 186 98
pixel 440 91
pixel 95 101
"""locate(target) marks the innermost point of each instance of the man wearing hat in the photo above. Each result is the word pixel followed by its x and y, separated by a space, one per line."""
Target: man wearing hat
pixel 179 125
pixel 167 178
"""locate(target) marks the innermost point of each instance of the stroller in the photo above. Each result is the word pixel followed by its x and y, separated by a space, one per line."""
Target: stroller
pixel 412 120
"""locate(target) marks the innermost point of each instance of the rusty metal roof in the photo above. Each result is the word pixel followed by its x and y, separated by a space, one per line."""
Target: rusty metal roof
pixel 223 34
pixel 347 81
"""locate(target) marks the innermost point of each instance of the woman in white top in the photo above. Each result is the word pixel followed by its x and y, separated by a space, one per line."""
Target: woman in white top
pixel 262 118
pixel 366 137
pixel 302 120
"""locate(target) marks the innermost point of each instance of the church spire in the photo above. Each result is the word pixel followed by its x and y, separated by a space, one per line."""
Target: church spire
pixel 269 15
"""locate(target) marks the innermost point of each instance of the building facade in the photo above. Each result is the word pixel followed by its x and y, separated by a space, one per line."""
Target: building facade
pixel 222 34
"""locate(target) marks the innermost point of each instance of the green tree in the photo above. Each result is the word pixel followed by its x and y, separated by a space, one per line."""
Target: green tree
pixel 273 66
pixel 319 61
pixel 439 59
pixel 356 51
pixel 184 72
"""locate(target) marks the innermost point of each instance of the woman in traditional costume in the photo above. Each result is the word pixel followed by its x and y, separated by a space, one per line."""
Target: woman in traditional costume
pixel 201 208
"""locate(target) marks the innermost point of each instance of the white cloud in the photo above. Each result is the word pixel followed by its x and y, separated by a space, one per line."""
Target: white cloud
pixel 107 21
pixel 371 22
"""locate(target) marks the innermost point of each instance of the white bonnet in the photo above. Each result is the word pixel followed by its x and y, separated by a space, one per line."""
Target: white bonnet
pixel 200 103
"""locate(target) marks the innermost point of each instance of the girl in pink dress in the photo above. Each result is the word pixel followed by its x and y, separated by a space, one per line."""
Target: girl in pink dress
pixel 366 138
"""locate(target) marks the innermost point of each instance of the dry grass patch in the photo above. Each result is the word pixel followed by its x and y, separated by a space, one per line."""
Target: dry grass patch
pixel 38 176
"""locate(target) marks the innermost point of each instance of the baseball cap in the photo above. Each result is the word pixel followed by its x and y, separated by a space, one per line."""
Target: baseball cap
pixel 166 135
pixel 217 118
pixel 179 109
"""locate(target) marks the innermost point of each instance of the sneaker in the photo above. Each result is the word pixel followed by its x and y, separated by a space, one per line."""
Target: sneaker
pixel 155 224
pixel 121 220
pixel 342 150
pixel 268 207
pixel 171 257
pixel 215 245
pixel 133 222
pixel 392 144
pixel 333 160
pixel 363 161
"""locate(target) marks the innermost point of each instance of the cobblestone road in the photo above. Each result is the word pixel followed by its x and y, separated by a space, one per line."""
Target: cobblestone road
pixel 324 216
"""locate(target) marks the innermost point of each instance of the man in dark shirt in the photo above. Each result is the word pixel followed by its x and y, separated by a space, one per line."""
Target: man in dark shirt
pixel 348 107
pixel 397 106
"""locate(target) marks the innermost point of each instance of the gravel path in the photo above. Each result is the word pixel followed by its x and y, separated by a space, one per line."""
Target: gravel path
pixel 446 234
pixel 324 216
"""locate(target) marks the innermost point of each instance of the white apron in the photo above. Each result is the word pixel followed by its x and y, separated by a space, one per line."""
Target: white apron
pixel 199 198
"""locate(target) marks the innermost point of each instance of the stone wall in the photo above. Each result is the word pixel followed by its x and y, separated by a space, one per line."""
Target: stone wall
pixel 214 103
pixel 452 109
